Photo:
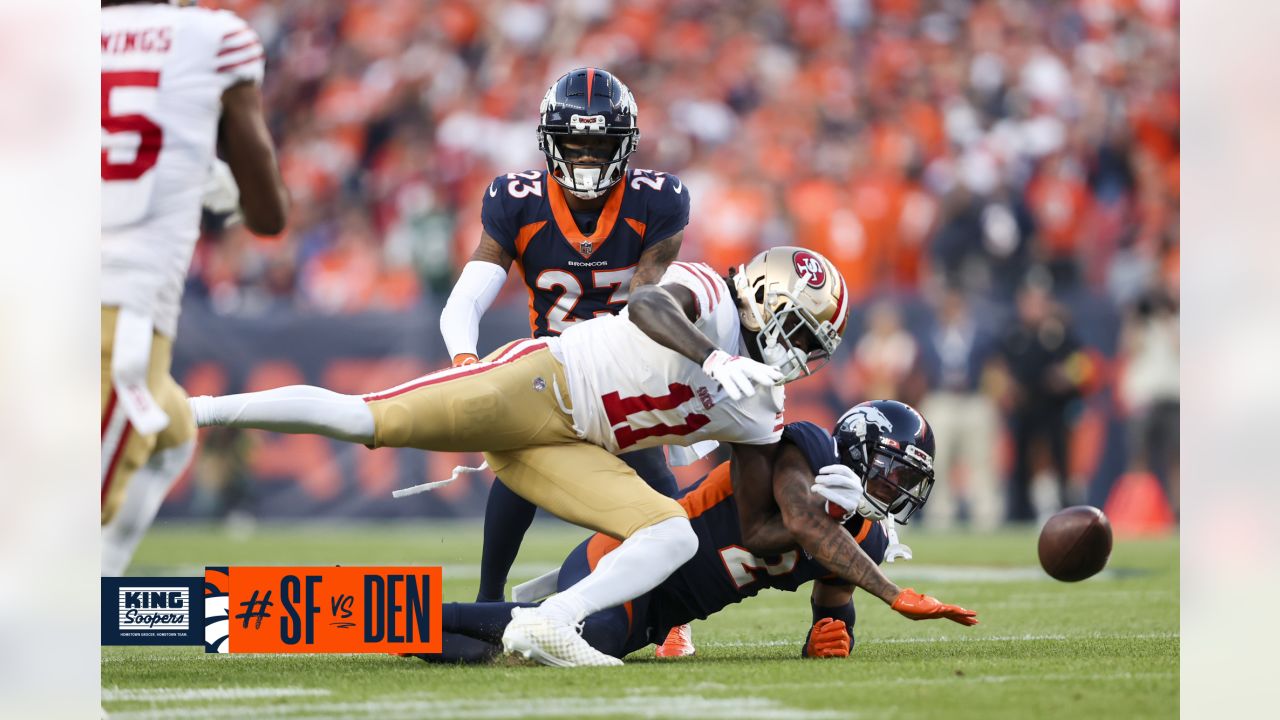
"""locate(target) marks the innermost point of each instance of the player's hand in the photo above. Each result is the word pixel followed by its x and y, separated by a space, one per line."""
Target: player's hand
pixel 913 605
pixel 739 375
pixel 464 359
pixel 841 487
pixel 829 638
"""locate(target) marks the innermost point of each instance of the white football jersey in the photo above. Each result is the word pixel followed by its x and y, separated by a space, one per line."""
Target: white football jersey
pixel 164 70
pixel 630 393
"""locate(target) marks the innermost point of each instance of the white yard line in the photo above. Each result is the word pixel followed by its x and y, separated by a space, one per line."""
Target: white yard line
pixel 975 638
pixel 169 695
pixel 640 706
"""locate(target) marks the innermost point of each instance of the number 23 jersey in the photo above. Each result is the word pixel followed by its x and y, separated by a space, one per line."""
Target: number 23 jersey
pixel 574 275
pixel 630 393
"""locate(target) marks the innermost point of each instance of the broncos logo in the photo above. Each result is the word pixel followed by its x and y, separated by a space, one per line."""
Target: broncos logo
pixel 857 419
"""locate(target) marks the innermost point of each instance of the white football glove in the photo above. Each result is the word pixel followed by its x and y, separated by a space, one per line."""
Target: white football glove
pixel 842 489
pixel 739 375
pixel 221 194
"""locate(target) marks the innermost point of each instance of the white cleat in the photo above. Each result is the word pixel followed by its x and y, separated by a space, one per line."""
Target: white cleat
pixel 533 636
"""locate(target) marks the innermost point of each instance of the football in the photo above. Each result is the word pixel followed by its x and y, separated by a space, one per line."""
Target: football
pixel 1075 543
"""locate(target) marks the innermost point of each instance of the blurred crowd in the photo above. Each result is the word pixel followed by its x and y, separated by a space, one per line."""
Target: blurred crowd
pixel 978 170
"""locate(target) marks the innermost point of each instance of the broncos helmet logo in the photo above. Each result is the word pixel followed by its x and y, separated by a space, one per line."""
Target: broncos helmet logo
pixel 857 419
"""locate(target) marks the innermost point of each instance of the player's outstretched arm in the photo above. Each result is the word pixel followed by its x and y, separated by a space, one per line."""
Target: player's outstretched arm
pixel 481 280
pixel 299 409
pixel 246 143
pixel 830 544
pixel 818 533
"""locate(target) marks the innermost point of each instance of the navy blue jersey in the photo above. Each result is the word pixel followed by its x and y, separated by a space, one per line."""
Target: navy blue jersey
pixel 724 572
pixel 580 267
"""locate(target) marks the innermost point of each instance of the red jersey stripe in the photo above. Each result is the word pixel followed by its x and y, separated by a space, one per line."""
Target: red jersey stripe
pixel 238 48
pixel 234 33
pixel 235 65
pixel 712 279
pixel 711 296
pixel 455 373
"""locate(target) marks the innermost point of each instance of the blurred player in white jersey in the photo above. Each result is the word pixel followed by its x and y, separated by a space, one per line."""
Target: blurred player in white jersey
pixel 679 365
pixel 178 84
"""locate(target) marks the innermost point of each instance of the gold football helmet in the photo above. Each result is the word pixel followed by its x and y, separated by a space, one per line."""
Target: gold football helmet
pixel 797 303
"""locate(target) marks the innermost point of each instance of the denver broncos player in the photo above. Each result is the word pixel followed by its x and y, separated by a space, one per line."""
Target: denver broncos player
pixel 551 414
pixel 584 233
pixel 177 84
pixel 896 460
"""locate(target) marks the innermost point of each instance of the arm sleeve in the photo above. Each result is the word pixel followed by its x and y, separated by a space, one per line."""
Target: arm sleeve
pixel 239 56
pixel 472 295
pixel 498 219
pixel 668 211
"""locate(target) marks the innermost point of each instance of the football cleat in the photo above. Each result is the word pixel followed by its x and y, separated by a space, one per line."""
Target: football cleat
pixel 679 643
pixel 533 636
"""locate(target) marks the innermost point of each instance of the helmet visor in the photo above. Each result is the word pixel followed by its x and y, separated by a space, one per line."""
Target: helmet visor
pixel 896 485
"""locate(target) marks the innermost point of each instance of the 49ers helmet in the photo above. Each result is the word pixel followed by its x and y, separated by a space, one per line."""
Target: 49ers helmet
pixel 592 104
pixel 890 445
pixel 797 303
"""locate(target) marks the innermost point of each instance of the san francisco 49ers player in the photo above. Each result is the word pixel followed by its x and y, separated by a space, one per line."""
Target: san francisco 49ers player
pixel 689 359
pixel 584 233
pixel 177 83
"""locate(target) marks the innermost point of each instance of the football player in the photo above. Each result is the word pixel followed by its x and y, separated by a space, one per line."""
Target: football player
pixel 886 442
pixel 691 358
pixel 584 233
pixel 177 84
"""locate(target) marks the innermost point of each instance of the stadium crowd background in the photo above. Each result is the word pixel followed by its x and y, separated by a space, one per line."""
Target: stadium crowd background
pixel 981 172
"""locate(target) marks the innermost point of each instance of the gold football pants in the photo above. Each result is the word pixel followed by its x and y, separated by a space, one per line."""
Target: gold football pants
pixel 513 406
pixel 124 450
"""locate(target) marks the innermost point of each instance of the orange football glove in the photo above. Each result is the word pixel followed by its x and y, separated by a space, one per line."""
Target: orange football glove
pixel 828 638
pixel 922 607
pixel 464 359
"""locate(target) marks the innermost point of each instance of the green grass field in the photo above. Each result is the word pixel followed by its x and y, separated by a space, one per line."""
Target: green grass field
pixel 1104 648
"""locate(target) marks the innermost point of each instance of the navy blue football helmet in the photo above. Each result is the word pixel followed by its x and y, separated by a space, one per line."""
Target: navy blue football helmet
pixel 890 445
pixel 588 131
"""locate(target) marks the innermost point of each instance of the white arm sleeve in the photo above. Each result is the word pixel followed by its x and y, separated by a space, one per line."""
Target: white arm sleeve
pixel 472 295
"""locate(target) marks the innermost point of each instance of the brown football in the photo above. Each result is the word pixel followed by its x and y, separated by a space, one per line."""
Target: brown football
pixel 1075 543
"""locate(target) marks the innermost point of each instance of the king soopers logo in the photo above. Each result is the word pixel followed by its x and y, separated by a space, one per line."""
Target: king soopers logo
pixel 808 264
pixel 155 608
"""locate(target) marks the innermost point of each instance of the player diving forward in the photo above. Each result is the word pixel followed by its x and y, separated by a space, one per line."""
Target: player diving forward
pixel 176 82
pixel 585 233
pixel 887 442
pixel 674 367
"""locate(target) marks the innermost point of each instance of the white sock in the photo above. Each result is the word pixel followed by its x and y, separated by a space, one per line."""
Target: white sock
pixel 146 492
pixel 291 409
pixel 637 566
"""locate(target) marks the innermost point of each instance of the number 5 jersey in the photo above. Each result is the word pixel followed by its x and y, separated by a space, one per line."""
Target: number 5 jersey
pixel 164 70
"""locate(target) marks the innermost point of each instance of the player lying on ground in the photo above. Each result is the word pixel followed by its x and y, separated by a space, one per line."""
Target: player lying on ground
pixel 583 233
pixel 551 414
pixel 178 84
pixel 723 572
